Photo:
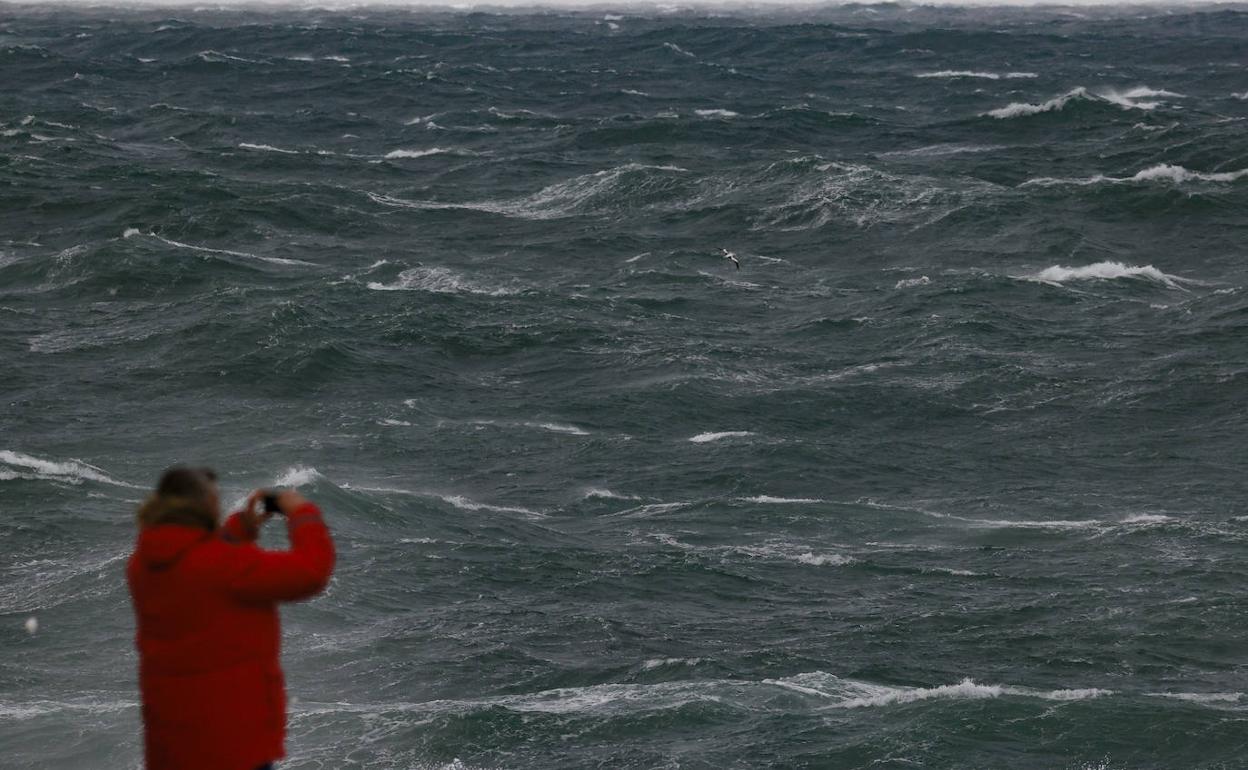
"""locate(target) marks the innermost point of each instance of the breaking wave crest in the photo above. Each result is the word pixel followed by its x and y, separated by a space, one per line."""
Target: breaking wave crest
pixel 1130 99
pixel 17 465
pixel 1105 271
pixel 1162 172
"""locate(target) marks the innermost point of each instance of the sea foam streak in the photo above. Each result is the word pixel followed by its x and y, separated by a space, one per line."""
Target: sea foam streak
pixel 973 74
pixel 703 438
pixel 24 466
pixel 131 233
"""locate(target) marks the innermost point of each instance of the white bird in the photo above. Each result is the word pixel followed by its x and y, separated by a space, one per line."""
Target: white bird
pixel 729 255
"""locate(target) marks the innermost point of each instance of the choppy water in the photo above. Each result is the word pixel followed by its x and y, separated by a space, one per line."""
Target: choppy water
pixel 949 474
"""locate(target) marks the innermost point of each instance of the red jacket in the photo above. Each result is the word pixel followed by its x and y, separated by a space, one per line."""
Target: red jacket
pixel 209 638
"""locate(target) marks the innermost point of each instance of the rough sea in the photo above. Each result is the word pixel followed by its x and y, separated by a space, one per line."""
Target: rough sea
pixel 950 473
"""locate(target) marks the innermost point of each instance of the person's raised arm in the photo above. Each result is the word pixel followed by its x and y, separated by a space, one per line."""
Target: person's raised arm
pixel 299 573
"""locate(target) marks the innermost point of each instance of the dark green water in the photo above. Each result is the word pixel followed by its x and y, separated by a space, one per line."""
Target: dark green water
pixel 949 474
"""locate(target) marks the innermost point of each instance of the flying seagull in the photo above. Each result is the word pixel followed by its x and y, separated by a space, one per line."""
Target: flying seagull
pixel 729 255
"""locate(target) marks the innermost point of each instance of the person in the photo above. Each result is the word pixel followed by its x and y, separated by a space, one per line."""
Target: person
pixel 205 598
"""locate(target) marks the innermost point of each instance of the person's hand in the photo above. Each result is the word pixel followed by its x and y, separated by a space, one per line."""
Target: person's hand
pixel 252 514
pixel 289 501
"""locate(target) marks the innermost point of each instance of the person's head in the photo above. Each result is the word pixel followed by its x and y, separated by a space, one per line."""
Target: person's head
pixel 185 496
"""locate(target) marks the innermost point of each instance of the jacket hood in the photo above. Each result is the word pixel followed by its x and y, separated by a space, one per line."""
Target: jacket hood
pixel 161 547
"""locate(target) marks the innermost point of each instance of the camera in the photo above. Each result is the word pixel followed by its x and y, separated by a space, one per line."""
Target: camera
pixel 270 503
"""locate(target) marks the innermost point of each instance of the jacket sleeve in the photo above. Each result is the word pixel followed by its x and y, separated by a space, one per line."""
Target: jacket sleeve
pixel 235 530
pixel 300 573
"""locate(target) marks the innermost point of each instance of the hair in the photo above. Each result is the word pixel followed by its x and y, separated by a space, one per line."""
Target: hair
pixel 184 496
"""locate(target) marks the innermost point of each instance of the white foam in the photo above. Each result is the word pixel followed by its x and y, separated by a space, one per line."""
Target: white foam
pixel 679 50
pixel 418 540
pixel 1022 109
pixel 974 74
pixel 606 494
pixel 770 500
pixel 716 113
pixel 1127 100
pixel 227 252
pixel 1148 519
pixel 217 56
pixel 556 427
pixel 130 232
pixel 703 438
pixel 909 283
pixel 633 92
pixel 266 148
pixel 1202 697
pixel 1161 172
pixel 967 689
pixel 440 280
pixel 297 476
pixel 467 504
pixel 397 154
pixel 390 422
pixel 1241 97
pixel 24 466
pixel 1107 271
pixel 654 663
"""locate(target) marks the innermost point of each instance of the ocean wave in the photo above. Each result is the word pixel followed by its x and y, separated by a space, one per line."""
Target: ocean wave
pixel 771 500
pixel 1106 271
pixel 1127 100
pixel 462 502
pixel 716 113
pixel 1162 172
pixel 703 438
pixel 29 467
pixel 973 74
pixel 626 187
pixel 21 711
pixel 441 280
pixel 297 476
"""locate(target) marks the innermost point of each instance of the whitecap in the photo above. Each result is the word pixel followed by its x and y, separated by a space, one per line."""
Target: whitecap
pixel 606 494
pixel 654 663
pixel 24 466
pixel 1201 697
pixel 556 427
pixel 1241 97
pixel 266 148
pixel 1059 274
pixel 679 50
pixel 467 504
pixel 703 438
pixel 716 113
pixel 440 280
pixel 975 74
pixel 909 283
pixel 1022 109
pixel 297 476
pixel 1164 172
pixel 770 500
pixel 398 154
pixel 633 92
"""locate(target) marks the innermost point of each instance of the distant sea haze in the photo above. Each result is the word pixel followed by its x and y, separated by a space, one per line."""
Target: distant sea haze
pixel 944 475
